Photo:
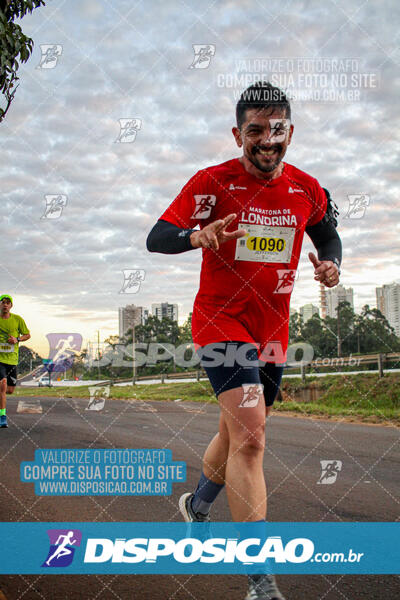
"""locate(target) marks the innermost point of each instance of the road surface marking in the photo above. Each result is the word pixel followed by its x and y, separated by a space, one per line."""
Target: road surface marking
pixel 32 406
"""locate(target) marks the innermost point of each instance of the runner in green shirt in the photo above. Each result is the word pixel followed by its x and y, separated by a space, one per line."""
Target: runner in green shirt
pixel 13 330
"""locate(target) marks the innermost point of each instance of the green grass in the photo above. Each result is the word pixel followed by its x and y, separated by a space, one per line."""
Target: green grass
pixel 362 397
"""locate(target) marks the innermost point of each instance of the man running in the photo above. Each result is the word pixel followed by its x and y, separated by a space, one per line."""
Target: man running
pixel 252 212
pixel 13 330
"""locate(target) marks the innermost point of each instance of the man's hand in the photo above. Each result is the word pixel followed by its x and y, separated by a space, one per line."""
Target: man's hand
pixel 325 271
pixel 214 234
pixel 12 340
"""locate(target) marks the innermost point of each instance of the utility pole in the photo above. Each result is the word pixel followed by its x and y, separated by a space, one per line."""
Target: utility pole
pixel 98 353
pixel 339 341
pixel 89 356
pixel 133 356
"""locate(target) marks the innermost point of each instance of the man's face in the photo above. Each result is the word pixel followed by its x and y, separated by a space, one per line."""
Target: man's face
pixel 5 305
pixel 265 136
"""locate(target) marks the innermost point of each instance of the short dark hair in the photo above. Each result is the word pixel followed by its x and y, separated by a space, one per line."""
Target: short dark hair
pixel 261 95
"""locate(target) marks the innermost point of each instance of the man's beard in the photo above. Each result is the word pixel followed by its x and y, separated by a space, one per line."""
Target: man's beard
pixel 265 168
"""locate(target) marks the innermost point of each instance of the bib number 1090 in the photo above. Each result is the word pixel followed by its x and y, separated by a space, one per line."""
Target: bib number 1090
pixel 266 244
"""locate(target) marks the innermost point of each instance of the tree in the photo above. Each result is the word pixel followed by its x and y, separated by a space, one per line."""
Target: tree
pixel 113 341
pixel 366 333
pixel 156 330
pixel 185 331
pixel 13 45
pixel 347 328
pixel 376 335
pixel 295 325
pixel 28 358
pixel 321 337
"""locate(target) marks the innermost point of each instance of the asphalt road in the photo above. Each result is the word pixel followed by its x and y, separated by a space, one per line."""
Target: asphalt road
pixel 366 489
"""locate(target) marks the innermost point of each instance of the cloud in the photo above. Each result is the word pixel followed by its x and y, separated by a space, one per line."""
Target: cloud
pixel 59 137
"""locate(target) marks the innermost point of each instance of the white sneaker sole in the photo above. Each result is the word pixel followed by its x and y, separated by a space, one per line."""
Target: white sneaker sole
pixel 182 507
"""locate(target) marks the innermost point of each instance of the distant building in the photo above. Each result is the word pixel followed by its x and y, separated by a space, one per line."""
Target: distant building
pixel 307 311
pixel 336 295
pixel 130 316
pixel 388 302
pixel 322 297
pixel 164 310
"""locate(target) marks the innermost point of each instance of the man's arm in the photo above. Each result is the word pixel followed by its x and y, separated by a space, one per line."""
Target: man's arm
pixel 23 338
pixel 326 241
pixel 20 338
pixel 168 238
pixel 328 245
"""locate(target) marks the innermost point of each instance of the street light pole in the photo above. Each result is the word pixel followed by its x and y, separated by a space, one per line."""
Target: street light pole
pixel 133 356
pixel 339 341
pixel 98 354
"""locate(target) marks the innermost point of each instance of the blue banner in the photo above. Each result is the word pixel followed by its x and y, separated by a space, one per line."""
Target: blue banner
pixel 200 548
pixel 103 472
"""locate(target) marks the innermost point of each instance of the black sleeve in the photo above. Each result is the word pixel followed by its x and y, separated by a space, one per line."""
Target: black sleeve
pixel 168 239
pixel 324 235
pixel 326 241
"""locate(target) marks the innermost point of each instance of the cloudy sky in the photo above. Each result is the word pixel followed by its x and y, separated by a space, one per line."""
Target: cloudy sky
pixel 135 60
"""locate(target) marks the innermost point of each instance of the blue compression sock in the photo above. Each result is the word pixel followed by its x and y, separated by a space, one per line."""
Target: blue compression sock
pixel 205 494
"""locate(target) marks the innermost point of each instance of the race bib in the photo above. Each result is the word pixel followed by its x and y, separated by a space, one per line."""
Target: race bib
pixel 265 244
pixel 6 347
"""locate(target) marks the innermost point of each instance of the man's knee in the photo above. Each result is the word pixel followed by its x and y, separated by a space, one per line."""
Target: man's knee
pixel 3 385
pixel 250 443
pixel 10 389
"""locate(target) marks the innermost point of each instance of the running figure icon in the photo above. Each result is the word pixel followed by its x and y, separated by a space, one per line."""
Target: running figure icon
pixel 62 549
pixel 64 349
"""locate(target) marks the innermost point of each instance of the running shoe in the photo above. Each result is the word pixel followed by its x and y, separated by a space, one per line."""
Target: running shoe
pixel 201 532
pixel 185 506
pixel 3 421
pixel 263 587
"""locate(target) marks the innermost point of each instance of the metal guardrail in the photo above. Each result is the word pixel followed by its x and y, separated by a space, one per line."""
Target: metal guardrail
pixel 380 359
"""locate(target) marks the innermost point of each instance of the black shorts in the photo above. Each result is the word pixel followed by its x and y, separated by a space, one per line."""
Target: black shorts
pixel 8 372
pixel 231 364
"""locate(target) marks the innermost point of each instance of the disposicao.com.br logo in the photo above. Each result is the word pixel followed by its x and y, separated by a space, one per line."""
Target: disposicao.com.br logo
pixel 62 547
pixel 190 550
pixel 201 548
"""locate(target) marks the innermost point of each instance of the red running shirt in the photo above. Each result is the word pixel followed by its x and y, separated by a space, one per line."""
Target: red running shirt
pixel 245 286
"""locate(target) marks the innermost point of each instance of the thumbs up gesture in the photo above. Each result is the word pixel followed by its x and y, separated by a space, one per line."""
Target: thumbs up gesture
pixel 325 271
